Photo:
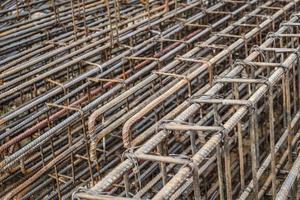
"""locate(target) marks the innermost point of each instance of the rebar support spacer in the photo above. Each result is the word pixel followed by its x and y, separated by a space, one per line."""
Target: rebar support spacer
pixel 57 83
pixel 93 64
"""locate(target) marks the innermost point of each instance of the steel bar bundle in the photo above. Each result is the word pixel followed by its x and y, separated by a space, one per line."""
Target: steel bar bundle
pixel 149 99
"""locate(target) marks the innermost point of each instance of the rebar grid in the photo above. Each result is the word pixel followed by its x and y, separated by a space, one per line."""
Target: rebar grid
pixel 150 99
pixel 254 95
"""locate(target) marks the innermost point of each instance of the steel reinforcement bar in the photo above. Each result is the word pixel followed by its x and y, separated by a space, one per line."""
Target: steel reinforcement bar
pixel 174 77
pixel 217 137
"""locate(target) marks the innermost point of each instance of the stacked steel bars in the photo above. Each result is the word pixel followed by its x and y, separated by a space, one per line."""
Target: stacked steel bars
pixel 162 100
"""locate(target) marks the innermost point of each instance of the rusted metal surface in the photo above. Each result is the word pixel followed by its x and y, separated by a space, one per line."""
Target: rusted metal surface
pixel 149 99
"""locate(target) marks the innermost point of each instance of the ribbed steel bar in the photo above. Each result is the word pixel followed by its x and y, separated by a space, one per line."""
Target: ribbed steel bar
pixel 97 113
pixel 43 169
pixel 40 69
pixel 61 39
pixel 132 90
pixel 80 78
pixel 207 65
pixel 175 110
pixel 112 177
pixel 211 144
pixel 290 180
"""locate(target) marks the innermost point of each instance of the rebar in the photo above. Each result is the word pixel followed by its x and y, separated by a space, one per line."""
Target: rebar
pixel 149 99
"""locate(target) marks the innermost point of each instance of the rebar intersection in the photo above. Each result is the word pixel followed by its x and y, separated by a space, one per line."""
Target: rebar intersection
pixel 139 101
